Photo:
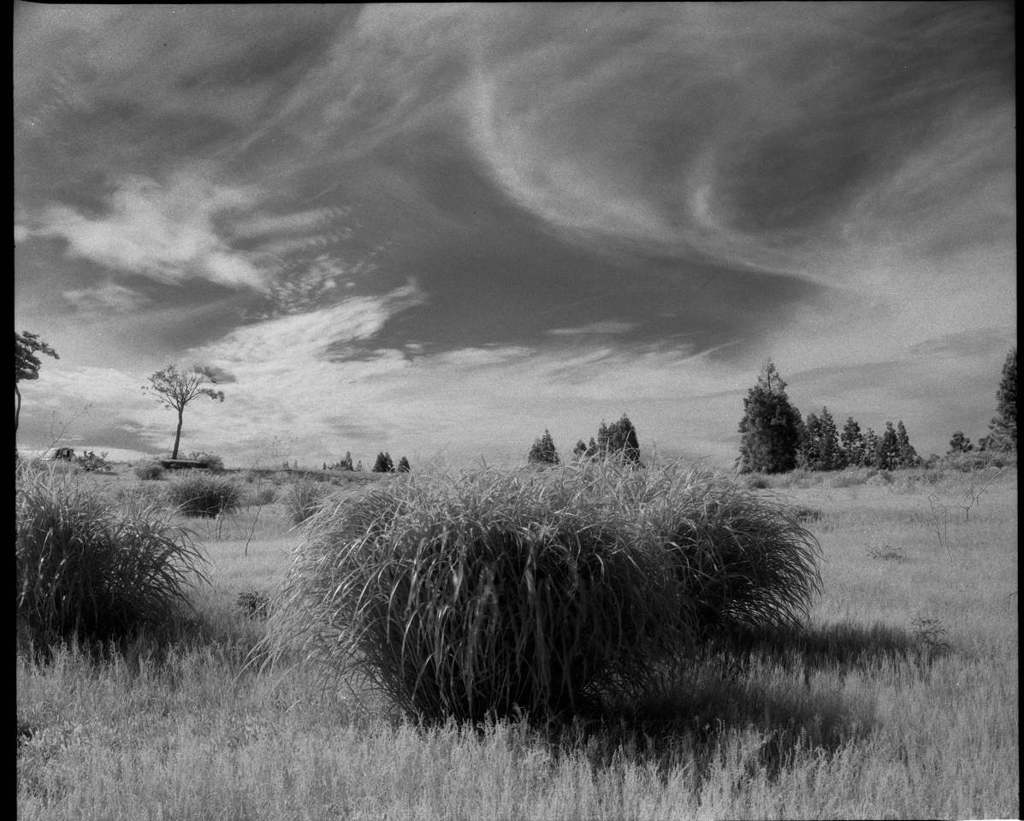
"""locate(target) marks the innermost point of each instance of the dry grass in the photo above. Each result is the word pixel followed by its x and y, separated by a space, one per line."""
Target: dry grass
pixel 863 715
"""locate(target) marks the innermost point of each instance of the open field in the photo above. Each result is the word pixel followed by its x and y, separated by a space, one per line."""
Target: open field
pixel 899 701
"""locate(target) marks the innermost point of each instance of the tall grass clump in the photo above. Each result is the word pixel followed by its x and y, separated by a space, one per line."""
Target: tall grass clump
pixel 91 571
pixel 486 594
pixel 304 498
pixel 745 562
pixel 199 495
pixel 492 594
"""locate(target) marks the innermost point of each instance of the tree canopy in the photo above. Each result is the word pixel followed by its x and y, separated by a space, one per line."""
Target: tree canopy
pixel 176 388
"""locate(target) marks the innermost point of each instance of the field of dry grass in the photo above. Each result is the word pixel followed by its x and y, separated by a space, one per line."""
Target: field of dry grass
pixel 899 701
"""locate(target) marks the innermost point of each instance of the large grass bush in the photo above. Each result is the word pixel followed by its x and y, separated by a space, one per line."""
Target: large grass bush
pixel 201 495
pixel 88 570
pixel 491 593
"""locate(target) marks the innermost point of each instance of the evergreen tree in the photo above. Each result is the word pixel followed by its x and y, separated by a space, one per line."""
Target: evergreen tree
pixel 543 451
pixel 960 443
pixel 889 449
pixel 771 428
pixel 602 438
pixel 1003 428
pixel 907 457
pixel 620 440
pixel 853 443
pixel 871 448
pixel 809 455
pixel 831 453
pixel 580 451
pixel 383 463
pixel 819 448
pixel 403 466
pixel 592 449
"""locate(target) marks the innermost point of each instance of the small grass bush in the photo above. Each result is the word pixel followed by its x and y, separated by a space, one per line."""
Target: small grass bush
pixel 200 495
pixel 493 594
pixel 264 496
pixel 150 471
pixel 304 498
pixel 88 570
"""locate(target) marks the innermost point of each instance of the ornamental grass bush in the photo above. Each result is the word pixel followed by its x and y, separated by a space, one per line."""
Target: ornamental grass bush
pixel 88 570
pixel 201 495
pixel 304 498
pixel 495 594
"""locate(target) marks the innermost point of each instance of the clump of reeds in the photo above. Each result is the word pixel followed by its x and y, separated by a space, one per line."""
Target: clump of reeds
pixel 200 495
pixel 304 498
pixel 88 570
pixel 498 593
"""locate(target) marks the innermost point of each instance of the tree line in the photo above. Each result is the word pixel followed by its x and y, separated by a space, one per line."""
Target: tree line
pixel 774 438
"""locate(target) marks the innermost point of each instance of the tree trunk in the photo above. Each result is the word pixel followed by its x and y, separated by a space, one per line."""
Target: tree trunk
pixel 17 408
pixel 177 437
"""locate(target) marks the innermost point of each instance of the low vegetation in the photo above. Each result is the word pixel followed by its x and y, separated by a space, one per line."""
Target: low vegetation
pixel 90 571
pixel 892 694
pixel 200 495
pixel 492 593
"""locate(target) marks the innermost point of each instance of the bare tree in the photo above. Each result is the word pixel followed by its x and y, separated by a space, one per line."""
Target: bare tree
pixel 26 363
pixel 175 389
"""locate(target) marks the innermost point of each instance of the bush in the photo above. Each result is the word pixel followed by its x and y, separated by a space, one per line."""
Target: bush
pixel 491 594
pixel 304 498
pixel 150 471
pixel 91 571
pixel 206 496
pixel 207 461
pixel 264 495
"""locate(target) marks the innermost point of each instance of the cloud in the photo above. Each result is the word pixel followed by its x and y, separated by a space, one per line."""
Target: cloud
pixel 166 232
pixel 108 296
pixel 610 326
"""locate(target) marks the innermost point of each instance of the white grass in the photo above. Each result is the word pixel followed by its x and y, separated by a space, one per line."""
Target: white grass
pixel 860 722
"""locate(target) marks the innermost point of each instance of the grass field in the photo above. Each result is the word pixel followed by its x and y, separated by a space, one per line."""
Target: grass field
pixel 899 701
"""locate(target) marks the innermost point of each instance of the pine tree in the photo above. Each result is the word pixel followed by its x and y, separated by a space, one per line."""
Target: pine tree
pixel 906 455
pixel 889 449
pixel 771 428
pixel 543 451
pixel 592 448
pixel 620 440
pixel 403 466
pixel 852 442
pixel 383 463
pixel 871 447
pixel 831 453
pixel 960 443
pixel 809 455
pixel 1003 428
pixel 580 451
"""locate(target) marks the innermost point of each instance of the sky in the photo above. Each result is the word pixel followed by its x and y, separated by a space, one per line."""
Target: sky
pixel 438 230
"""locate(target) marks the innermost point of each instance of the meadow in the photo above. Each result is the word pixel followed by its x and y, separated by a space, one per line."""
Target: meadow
pixel 898 699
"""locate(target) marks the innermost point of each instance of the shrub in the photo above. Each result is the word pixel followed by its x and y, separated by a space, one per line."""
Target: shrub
pixel 253 603
pixel 304 498
pixel 150 471
pixel 383 463
pixel 90 461
pixel 196 494
pixel 207 461
pixel 490 593
pixel 88 570
pixel 264 495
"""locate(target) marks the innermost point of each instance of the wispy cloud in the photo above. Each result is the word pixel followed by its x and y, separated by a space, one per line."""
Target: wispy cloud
pixel 109 296
pixel 164 231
